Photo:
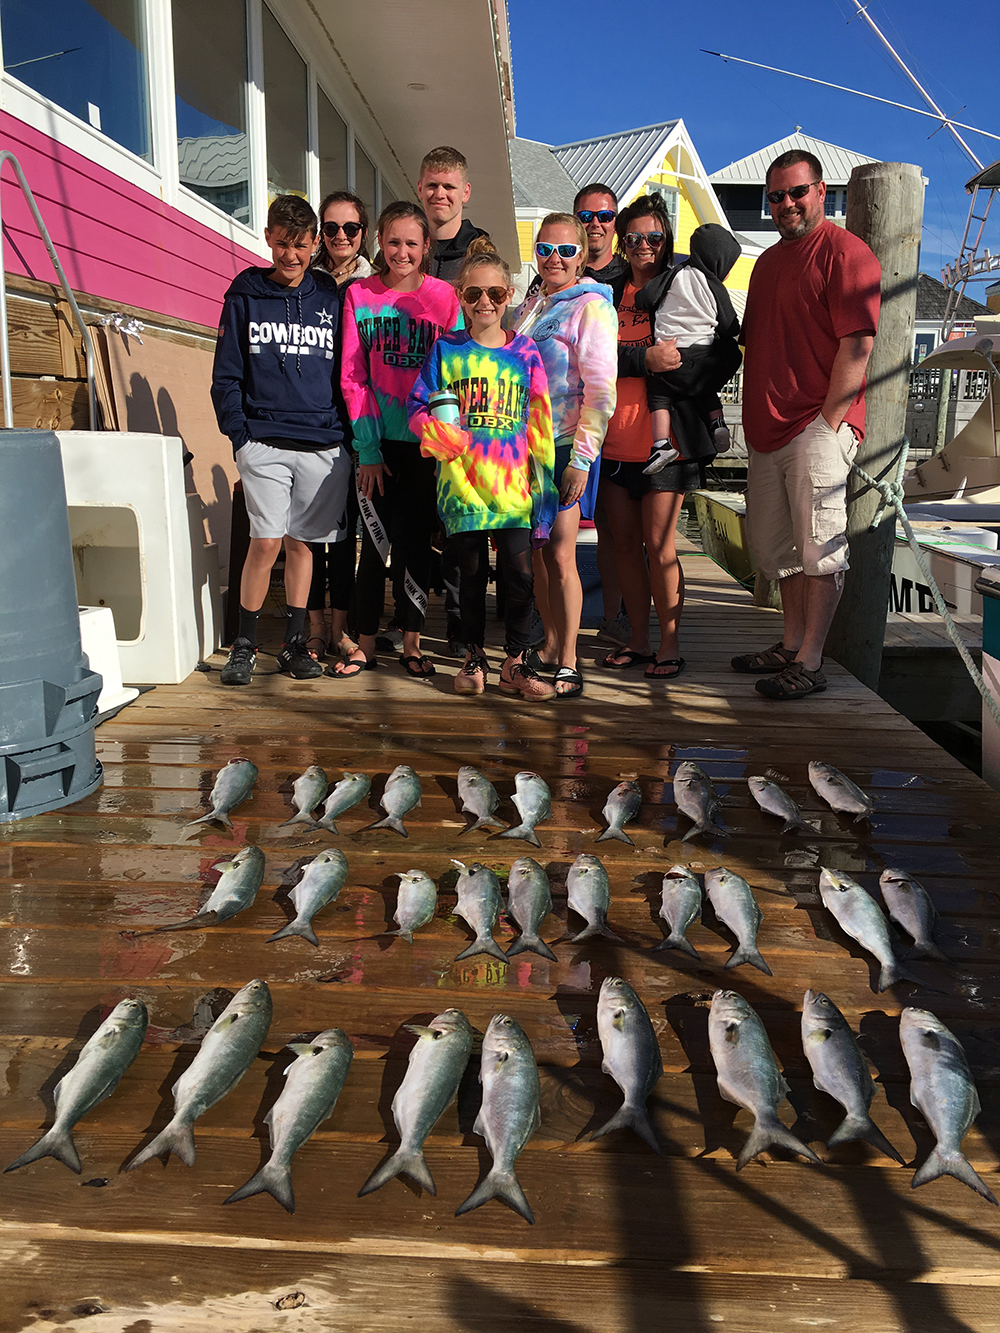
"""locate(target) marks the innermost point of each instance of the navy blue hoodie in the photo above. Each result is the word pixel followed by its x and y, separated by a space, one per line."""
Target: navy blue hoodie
pixel 276 362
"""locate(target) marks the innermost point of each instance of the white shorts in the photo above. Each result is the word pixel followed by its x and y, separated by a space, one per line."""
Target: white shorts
pixel 295 492
pixel 797 502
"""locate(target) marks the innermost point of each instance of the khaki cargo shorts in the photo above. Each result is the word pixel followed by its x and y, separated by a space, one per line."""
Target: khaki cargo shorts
pixel 797 502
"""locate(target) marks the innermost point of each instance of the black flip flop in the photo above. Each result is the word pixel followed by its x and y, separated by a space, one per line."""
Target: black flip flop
pixel 414 666
pixel 348 674
pixel 573 678
pixel 634 659
pixel 651 673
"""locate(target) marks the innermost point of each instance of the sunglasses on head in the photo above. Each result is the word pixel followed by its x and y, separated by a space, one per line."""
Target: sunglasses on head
pixel 602 214
pixel 565 251
pixel 654 239
pixel 471 295
pixel 796 192
pixel 350 229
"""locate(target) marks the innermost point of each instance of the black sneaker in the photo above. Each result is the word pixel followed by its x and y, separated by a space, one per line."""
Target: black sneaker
pixel 242 660
pixel 295 660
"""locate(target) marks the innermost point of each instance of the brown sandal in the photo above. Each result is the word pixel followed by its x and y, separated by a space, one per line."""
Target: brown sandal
pixel 769 659
pixel 795 682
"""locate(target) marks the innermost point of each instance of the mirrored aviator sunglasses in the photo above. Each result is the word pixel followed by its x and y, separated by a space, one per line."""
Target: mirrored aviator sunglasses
pixel 654 239
pixel 471 295
pixel 543 249
pixel 350 229
pixel 604 215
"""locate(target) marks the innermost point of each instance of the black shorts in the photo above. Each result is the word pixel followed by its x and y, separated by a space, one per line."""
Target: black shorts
pixel 677 477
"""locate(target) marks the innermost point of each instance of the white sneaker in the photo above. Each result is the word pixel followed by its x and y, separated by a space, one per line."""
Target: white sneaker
pixel 617 631
pixel 721 439
pixel 659 459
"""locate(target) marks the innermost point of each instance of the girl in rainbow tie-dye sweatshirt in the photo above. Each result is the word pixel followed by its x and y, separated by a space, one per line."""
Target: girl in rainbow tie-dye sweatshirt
pixel 495 464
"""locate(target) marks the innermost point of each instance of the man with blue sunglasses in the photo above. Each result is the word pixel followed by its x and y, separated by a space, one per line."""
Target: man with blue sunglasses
pixel 596 206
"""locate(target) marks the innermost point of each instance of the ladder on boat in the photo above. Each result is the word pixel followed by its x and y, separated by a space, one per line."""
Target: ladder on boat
pixel 971 263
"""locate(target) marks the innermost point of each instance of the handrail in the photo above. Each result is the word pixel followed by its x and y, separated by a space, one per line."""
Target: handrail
pixel 88 346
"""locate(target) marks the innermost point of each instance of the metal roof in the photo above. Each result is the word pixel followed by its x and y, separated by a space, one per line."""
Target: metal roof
pixel 614 159
pixel 989 176
pixel 838 163
pixel 214 159
pixel 540 181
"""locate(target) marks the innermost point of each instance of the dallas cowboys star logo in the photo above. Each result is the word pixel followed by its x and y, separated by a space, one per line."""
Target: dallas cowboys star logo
pixel 325 318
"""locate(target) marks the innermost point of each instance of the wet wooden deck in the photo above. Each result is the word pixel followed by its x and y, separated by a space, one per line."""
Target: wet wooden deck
pixel 625 1241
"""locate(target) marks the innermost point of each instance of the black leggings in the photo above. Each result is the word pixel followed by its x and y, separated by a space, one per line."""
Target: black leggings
pixel 333 569
pixel 401 521
pixel 514 557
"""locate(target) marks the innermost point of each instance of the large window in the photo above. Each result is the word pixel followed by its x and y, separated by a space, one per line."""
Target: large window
pixel 87 57
pixel 286 93
pixel 210 78
pixel 332 147
pixel 365 186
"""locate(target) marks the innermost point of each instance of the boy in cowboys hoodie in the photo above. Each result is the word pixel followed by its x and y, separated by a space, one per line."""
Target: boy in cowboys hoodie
pixel 273 389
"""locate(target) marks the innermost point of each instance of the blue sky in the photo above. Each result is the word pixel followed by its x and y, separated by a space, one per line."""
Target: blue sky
pixel 588 68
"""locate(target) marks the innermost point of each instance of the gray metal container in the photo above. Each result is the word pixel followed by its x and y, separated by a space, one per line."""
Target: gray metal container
pixel 48 694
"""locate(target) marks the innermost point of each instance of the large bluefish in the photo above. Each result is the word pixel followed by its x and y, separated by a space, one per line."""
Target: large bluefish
pixel 839 792
pixel 321 882
pixel 860 916
pixel 735 906
pixel 696 797
pixel 840 1070
pixel 226 1052
pixel 352 788
pixel 307 792
pixel 510 1113
pixel 533 802
pixel 402 793
pixel 680 907
pixel 774 800
pixel 748 1074
pixel 529 903
pixel 942 1090
pixel 433 1073
pixel 313 1082
pixel 416 903
pixel 622 806
pixel 588 892
pixel 233 785
pixel 479 797
pixel 631 1056
pixel 479 904
pixel 236 890
pixel 910 906
pixel 96 1074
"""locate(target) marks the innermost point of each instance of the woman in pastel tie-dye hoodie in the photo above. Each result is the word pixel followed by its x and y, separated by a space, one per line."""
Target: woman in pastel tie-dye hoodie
pixel 575 325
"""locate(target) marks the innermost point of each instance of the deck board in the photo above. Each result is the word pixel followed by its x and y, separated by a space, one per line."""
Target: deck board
pixel 625 1241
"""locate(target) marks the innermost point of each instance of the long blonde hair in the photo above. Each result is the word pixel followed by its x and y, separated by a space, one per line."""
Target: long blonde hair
pixel 570 220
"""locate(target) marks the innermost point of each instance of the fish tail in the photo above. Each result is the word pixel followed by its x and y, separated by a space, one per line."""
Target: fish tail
pixel 178 1137
pixel 205 819
pixel 390 821
pixel 693 832
pixel 675 940
pixel 482 944
pixel 768 1132
pixel 954 1164
pixel 303 817
pixel 631 1117
pixel 498 1185
pixel 328 824
pixel 484 821
pixel 797 826
pixel 617 834
pixel 403 1162
pixel 894 971
pixel 749 953
pixel 296 927
pixel 403 934
pixel 193 923
pixel 57 1143
pixel 532 944
pixel 274 1179
pixel 863 1127
pixel 521 831
pixel 609 934
pixel 928 949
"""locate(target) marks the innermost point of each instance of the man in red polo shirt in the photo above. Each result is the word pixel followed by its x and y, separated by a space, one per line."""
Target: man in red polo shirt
pixel 811 316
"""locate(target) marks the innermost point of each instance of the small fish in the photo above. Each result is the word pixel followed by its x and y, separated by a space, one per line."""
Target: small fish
pixel 748 1074
pixel 416 903
pixel 588 892
pixel 530 902
pixel 860 916
pixel 509 1114
pixel 839 792
pixel 479 903
pixel 696 797
pixel 227 1051
pixel 681 906
pixel 433 1074
pixel 840 1070
pixel 910 906
pixel 942 1090
pixel 321 882
pixel 736 907
pixel 402 793
pixel 95 1075
pixel 313 1082
pixel 774 800
pixel 236 890
pixel 232 786
pixel 533 802
pixel 352 788
pixel 631 1056
pixel 479 798
pixel 307 792
pixel 621 807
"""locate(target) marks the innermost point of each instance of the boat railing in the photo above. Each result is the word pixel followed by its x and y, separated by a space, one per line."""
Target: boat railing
pixel 88 346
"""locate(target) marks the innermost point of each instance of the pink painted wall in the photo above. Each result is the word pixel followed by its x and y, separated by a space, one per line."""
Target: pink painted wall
pixel 113 239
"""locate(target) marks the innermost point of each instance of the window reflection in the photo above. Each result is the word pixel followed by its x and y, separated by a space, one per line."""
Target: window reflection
pixel 332 146
pixel 285 101
pixel 364 179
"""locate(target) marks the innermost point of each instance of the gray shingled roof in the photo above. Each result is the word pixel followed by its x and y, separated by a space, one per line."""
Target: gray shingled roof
pixel 539 179
pixel 932 296
pixel 214 159
pixel 838 163
pixel 613 159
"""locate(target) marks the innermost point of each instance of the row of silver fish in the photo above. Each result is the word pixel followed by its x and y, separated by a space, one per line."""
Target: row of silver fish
pixel 734 904
pixel 859 915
